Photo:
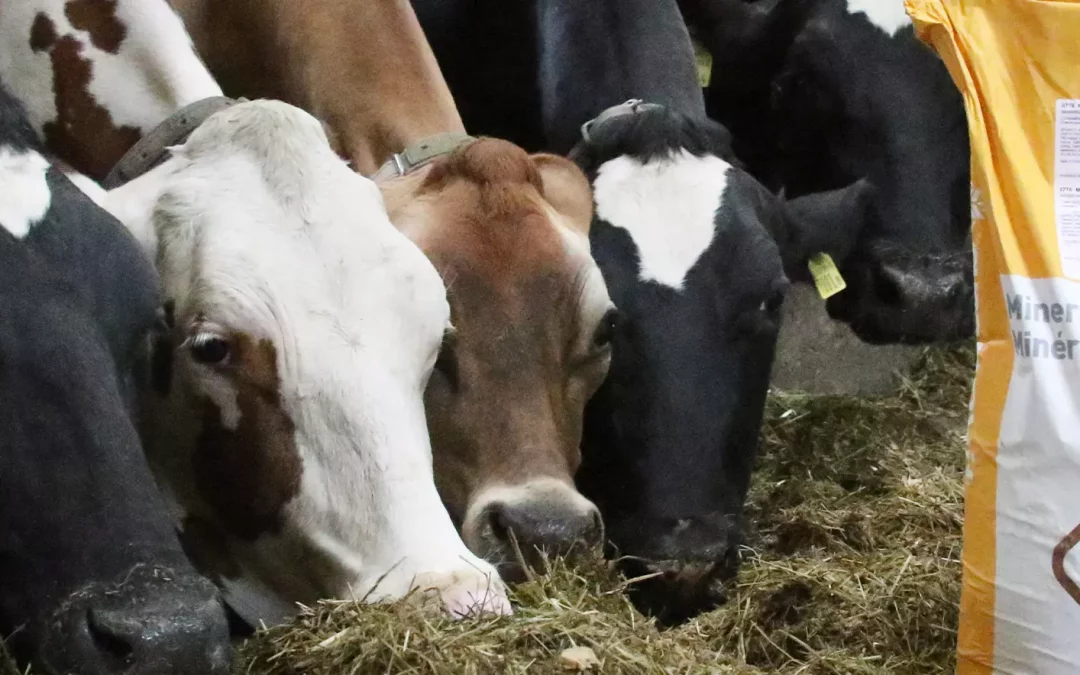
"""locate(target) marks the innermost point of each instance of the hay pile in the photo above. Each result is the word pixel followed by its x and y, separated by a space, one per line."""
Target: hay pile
pixel 858 505
pixel 581 607
pixel 853 566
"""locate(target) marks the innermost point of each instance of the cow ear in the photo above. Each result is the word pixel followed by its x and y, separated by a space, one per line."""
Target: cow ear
pixel 823 222
pixel 567 189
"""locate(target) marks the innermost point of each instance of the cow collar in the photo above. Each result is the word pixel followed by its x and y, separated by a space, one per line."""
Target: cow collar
pixel 153 148
pixel 631 107
pixel 420 153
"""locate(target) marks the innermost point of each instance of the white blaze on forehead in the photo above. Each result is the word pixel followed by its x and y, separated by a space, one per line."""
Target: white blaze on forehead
pixel 24 192
pixel 888 15
pixel 667 206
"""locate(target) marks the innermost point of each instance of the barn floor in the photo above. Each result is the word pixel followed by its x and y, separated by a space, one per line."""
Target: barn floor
pixel 854 566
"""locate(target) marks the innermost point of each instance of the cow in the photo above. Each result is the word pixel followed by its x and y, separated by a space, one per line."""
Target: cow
pixel 532 343
pixel 92 577
pixel 697 257
pixel 363 68
pixel 284 415
pixel 508 232
pixel 528 71
pixel 819 93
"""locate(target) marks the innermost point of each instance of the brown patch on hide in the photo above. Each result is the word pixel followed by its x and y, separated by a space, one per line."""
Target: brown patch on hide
pixel 98 18
pixel 42 33
pixel 247 475
pixel 83 131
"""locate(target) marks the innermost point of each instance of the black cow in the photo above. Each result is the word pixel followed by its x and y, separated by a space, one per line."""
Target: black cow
pixel 695 253
pixel 92 577
pixel 818 95
pixel 533 72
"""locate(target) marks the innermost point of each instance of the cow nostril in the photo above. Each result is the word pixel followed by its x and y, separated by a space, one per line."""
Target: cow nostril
pixel 111 634
pixel 497 523
pixel 887 288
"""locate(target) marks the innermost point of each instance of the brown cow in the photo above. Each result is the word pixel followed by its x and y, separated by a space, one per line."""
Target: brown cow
pixel 508 232
pixel 364 67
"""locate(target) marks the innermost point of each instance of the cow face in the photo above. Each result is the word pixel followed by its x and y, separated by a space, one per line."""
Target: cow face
pixel 851 102
pixel 288 422
pixel 94 580
pixel 698 257
pixel 530 344
pixel 848 92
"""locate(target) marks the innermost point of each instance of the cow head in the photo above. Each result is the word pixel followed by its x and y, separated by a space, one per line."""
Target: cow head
pixel 530 341
pixel 853 101
pixel 846 95
pixel 288 421
pixel 94 580
pixel 698 257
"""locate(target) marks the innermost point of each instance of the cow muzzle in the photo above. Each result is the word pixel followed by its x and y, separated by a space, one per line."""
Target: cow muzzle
pixel 908 300
pixel 148 625
pixel 681 568
pixel 515 527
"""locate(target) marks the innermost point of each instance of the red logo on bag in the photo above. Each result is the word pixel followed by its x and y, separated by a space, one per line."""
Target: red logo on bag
pixel 1060 551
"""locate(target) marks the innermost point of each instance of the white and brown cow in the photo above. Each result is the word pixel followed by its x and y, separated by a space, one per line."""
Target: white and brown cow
pixel 286 419
pixel 507 230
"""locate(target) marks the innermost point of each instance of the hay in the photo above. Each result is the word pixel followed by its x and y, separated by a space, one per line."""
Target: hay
pixel 858 506
pixel 584 606
pixel 853 566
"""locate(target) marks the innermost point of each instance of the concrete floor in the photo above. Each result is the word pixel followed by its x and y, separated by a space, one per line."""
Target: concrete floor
pixel 817 355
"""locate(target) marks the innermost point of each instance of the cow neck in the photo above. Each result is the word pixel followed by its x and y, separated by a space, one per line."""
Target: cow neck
pixel 153 148
pixel 376 95
pixel 421 153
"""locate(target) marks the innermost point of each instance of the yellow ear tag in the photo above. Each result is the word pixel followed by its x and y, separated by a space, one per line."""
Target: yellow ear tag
pixel 704 64
pixel 826 277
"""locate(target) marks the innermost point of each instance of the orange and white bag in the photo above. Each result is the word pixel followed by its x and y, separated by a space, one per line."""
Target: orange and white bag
pixel 1017 63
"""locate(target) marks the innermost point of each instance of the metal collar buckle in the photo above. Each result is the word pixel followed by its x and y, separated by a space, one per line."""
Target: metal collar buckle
pixel 421 153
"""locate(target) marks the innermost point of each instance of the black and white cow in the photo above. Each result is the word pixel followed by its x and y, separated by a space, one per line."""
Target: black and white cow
pixel 92 577
pixel 819 93
pixel 696 255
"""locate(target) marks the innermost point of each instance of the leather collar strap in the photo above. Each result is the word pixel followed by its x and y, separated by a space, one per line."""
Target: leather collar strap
pixel 153 148
pixel 420 153
pixel 631 107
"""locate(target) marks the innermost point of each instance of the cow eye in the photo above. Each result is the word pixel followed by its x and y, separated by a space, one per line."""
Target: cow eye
pixel 446 362
pixel 210 348
pixel 772 304
pixel 605 332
